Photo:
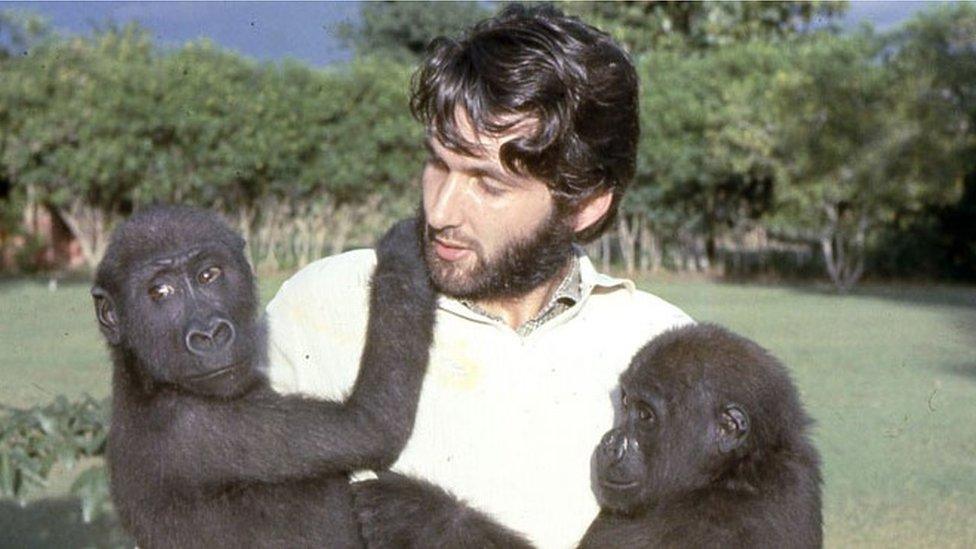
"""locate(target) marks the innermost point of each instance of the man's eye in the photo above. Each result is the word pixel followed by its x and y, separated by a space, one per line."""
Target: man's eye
pixel 161 291
pixel 208 275
pixel 489 187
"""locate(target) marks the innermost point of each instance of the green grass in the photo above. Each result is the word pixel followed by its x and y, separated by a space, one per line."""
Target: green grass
pixel 888 372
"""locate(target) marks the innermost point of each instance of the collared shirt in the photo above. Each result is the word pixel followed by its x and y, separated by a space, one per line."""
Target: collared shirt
pixel 507 422
pixel 565 296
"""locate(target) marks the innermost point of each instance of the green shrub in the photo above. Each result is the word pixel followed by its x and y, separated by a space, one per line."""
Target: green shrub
pixel 33 440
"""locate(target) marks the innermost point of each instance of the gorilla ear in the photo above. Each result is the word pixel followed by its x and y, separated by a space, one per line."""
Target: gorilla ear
pixel 108 320
pixel 733 428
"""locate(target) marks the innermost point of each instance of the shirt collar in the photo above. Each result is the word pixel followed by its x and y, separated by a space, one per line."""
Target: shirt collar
pixel 575 287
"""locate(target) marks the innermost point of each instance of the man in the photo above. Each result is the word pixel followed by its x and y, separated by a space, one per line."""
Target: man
pixel 532 130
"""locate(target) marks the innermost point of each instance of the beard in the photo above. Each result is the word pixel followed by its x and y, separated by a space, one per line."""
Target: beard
pixel 519 267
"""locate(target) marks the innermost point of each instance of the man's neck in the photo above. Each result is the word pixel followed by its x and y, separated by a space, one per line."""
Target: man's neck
pixel 518 310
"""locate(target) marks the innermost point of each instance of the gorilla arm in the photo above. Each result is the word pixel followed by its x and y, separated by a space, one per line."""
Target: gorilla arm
pixel 399 511
pixel 267 437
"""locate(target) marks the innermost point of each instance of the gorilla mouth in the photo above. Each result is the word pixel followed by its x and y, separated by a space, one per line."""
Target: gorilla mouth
pixel 213 374
pixel 614 484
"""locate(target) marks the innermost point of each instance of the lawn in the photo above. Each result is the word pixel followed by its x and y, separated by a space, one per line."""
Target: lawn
pixel 889 373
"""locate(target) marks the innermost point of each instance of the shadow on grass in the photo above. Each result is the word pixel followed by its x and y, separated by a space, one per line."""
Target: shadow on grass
pixel 915 293
pixel 962 370
pixel 55 523
pixel 911 293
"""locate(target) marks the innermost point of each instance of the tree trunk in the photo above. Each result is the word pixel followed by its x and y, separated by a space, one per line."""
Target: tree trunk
pixel 627 237
pixel 91 226
pixel 245 224
pixel 844 255
pixel 650 249
pixel 341 226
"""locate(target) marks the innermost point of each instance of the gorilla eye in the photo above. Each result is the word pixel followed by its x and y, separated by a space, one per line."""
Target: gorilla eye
pixel 645 413
pixel 209 275
pixel 160 291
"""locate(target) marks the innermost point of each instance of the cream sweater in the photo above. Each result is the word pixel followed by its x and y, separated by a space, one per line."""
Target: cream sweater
pixel 507 423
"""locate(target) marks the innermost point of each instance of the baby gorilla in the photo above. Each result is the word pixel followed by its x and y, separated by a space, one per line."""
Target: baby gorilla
pixel 201 452
pixel 710 450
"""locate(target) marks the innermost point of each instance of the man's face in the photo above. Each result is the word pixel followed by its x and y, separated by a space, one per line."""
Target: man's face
pixel 490 233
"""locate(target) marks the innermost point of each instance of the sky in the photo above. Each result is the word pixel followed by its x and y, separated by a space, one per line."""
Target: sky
pixel 301 30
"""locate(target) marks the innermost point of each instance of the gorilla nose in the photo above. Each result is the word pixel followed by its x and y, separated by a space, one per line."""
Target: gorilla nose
pixel 614 444
pixel 216 338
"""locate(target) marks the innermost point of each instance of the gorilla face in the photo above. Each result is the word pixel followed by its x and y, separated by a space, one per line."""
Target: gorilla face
pixel 674 434
pixel 187 315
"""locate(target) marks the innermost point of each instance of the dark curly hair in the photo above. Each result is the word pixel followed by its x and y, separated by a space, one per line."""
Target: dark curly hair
pixel 537 63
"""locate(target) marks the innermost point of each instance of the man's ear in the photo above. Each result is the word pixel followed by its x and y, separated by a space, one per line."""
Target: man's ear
pixel 108 319
pixel 592 210
pixel 733 428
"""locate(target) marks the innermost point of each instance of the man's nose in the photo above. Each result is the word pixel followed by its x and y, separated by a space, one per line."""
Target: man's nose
pixel 444 208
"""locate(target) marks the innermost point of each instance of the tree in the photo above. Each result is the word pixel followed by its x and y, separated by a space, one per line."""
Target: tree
pixel 75 112
pixel 401 30
pixel 96 127
pixel 706 166
pixel 853 152
pixel 937 52
pixel 19 31
pixel 655 25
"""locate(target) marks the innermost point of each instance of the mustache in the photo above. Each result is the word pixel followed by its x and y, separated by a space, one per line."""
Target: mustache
pixel 451 236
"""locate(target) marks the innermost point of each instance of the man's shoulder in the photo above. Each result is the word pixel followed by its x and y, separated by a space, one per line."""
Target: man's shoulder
pixel 318 318
pixel 336 275
pixel 352 267
pixel 621 298
pixel 627 317
pixel 657 307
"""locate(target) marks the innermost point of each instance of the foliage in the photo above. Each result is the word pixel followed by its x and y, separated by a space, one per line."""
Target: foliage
pixel 401 30
pixel 19 31
pixel 96 127
pixel 938 51
pixel 853 152
pixel 32 441
pixel 706 163
pixel 92 489
pixel 648 26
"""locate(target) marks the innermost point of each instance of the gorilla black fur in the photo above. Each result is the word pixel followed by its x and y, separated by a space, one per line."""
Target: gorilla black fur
pixel 201 452
pixel 711 450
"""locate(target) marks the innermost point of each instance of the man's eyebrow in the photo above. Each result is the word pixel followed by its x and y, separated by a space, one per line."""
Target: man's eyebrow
pixel 482 168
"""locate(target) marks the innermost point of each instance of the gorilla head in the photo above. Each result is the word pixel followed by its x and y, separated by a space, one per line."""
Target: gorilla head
pixel 175 294
pixel 712 430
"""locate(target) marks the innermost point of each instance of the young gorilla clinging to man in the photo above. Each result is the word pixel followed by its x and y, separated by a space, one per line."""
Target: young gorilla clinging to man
pixel 710 449
pixel 201 452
